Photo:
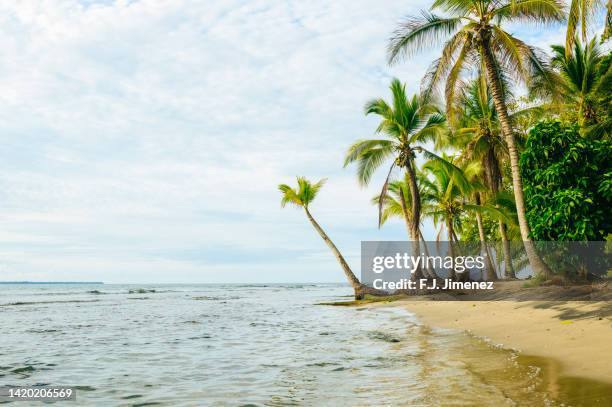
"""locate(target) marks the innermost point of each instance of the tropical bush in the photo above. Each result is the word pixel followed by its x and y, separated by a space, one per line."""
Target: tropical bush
pixel 567 183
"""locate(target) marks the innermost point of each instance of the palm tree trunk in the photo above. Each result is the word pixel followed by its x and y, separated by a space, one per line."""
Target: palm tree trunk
pixel 494 179
pixel 360 289
pixel 490 273
pixel 451 247
pixel 539 267
pixel 508 268
pixel 415 216
pixel 430 271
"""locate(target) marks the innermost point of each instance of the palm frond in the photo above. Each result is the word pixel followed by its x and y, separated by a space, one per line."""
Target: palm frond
pixel 454 7
pixel 355 151
pixel 439 68
pixel 455 172
pixel 453 78
pixel 289 196
pixel 418 33
pixel 535 11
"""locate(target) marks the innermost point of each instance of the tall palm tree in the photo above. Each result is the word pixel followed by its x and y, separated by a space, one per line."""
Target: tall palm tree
pixel 406 123
pixel 477 39
pixel 580 74
pixel 478 136
pixel 302 197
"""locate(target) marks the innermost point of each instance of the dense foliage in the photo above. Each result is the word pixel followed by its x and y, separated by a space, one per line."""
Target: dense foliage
pixel 567 181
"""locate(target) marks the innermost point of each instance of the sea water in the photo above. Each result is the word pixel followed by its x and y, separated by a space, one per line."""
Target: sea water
pixel 256 345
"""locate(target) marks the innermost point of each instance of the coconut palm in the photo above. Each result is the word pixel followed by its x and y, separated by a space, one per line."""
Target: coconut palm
pixel 302 197
pixel 448 201
pixel 579 71
pixel 406 123
pixel 478 136
pixel 398 204
pixel 477 40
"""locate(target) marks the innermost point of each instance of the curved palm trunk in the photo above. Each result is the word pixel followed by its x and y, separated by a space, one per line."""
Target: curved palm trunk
pixel 360 289
pixel 539 267
pixel 490 271
pixel 415 232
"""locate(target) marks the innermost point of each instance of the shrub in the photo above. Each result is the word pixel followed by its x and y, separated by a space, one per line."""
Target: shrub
pixel 567 181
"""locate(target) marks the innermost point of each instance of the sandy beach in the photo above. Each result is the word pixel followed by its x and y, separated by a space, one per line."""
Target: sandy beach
pixel 577 334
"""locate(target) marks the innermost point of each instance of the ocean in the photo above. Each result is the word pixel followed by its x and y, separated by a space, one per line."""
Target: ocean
pixel 252 345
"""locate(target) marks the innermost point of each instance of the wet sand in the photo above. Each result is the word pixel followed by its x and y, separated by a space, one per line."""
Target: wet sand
pixel 565 331
pixel 576 334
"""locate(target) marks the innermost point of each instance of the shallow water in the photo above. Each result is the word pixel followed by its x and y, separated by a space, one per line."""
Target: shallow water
pixel 257 345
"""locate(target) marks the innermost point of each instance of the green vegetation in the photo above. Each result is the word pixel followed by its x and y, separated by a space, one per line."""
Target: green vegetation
pixel 481 162
pixel 568 183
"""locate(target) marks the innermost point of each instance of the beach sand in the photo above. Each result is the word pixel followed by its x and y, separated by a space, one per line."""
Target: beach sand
pixel 577 334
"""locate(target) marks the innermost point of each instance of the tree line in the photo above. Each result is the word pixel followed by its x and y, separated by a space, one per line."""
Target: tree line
pixel 504 142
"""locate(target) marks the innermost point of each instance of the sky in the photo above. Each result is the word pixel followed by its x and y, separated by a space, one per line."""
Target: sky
pixel 143 141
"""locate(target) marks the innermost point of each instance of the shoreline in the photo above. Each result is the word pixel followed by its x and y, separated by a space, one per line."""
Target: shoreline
pixel 575 334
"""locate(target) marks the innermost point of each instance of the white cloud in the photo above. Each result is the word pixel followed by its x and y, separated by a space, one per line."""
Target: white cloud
pixel 143 140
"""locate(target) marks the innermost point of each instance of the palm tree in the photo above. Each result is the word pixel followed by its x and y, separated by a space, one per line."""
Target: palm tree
pixel 302 197
pixel 398 204
pixel 478 39
pixel 580 76
pixel 479 138
pixel 448 201
pixel 406 123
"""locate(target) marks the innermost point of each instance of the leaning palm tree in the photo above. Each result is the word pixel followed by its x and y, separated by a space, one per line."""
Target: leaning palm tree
pixel 302 197
pixel 579 72
pixel 406 123
pixel 477 40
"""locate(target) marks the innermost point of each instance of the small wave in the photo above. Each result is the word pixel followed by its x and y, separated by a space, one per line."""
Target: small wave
pixel 23 371
pixel 43 331
pixel 322 364
pixel 132 396
pixel 213 298
pixel 10 304
pixel 383 336
pixel 142 291
pixel 85 388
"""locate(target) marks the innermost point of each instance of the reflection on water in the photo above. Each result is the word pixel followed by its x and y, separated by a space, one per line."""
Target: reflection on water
pixel 258 345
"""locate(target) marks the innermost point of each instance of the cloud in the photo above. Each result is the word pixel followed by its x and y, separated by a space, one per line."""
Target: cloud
pixel 143 140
